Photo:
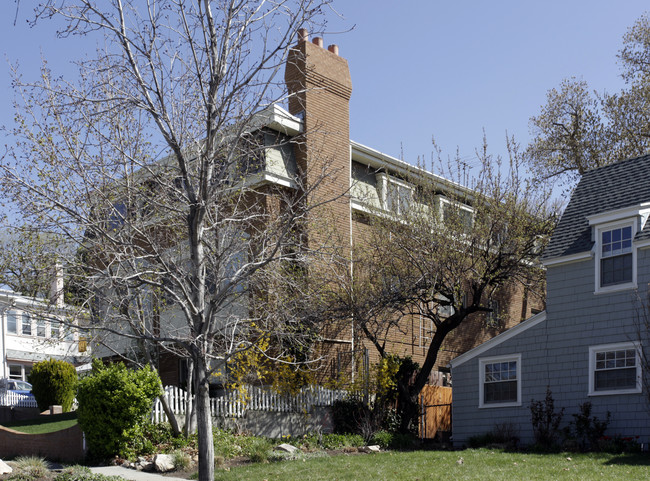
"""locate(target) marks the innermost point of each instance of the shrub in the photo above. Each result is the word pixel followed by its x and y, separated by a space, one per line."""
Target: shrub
pixel 586 429
pixel 347 415
pixel 504 434
pixel 53 383
pixel 182 460
pixel 619 444
pixel 383 438
pixel 257 449
pixel 113 403
pixel 546 421
pixel 225 444
pixel 339 441
pixel 31 467
pixel 82 473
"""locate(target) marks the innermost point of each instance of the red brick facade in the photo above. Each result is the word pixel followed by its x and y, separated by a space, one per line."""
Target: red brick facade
pixel 319 84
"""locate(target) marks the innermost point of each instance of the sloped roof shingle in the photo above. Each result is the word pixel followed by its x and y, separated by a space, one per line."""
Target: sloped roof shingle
pixel 623 184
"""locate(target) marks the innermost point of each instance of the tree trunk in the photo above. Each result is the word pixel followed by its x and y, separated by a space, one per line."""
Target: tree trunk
pixel 190 410
pixel 204 422
pixel 171 417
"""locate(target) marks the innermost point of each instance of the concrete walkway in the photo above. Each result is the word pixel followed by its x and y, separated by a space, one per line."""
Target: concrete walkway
pixel 133 474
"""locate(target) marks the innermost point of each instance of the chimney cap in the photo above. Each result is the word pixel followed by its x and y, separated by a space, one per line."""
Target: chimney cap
pixel 318 41
pixel 303 35
pixel 334 49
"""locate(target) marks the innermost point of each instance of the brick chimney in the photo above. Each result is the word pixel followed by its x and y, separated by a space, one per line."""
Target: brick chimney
pixel 319 85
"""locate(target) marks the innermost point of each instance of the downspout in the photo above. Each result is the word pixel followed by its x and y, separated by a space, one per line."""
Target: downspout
pixel 3 310
pixel 351 260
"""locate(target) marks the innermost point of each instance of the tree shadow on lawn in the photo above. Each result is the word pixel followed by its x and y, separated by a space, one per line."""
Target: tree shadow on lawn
pixel 636 459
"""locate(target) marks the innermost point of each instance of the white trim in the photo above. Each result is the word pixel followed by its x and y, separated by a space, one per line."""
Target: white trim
pixel 625 213
pixel 495 341
pixel 598 289
pixel 481 380
pixel 374 158
pixel 644 244
pixel 614 347
pixel 554 261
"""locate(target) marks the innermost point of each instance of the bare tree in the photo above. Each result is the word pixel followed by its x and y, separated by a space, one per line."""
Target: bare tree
pixel 147 164
pixel 442 256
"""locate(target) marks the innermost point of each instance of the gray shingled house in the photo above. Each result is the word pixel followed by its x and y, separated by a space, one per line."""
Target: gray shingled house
pixel 587 345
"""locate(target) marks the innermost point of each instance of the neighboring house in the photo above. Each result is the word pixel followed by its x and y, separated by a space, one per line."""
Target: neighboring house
pixel 32 331
pixel 364 182
pixel 588 344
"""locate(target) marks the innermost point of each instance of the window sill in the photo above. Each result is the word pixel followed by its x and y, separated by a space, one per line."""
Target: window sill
pixel 500 405
pixel 613 393
pixel 615 288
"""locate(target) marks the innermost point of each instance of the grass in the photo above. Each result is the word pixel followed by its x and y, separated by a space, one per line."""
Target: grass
pixel 44 424
pixel 483 464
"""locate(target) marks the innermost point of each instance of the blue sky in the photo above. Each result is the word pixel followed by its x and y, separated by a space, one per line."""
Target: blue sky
pixel 424 68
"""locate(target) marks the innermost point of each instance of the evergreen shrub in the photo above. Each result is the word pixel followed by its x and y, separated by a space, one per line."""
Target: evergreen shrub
pixel 114 403
pixel 53 383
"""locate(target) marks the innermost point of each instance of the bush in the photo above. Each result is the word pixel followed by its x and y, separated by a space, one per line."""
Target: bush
pixel 586 429
pixel 546 421
pixel 348 415
pixel 31 467
pixel 257 449
pixel 383 438
pixel 114 402
pixel 182 460
pixel 339 441
pixel 82 473
pixel 504 434
pixel 225 444
pixel 53 383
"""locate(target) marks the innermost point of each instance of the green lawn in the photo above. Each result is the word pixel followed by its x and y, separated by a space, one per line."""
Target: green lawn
pixel 44 424
pixel 477 464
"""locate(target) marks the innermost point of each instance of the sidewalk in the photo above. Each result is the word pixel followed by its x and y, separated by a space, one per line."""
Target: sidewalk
pixel 133 474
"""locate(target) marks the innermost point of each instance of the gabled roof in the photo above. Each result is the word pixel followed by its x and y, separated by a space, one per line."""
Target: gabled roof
pixel 496 340
pixel 623 184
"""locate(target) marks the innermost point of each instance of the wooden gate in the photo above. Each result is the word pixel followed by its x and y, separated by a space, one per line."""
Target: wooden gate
pixel 435 411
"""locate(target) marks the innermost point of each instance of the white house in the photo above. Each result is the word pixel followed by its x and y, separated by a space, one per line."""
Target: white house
pixel 34 330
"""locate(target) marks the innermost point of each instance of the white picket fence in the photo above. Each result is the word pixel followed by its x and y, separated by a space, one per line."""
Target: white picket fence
pixel 8 398
pixel 234 404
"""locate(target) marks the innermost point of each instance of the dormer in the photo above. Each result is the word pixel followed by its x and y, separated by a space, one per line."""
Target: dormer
pixel 615 236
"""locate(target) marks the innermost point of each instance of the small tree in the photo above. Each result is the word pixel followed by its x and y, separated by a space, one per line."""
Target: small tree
pixel 113 402
pixel 546 420
pixel 53 383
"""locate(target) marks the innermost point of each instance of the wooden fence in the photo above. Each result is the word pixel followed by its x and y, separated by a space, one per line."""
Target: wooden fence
pixel 234 403
pixel 435 411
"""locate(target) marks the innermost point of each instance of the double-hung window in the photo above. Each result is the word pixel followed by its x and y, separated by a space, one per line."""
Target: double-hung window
pixel 614 369
pixel 12 322
pixel 616 258
pixel 615 246
pixel 500 381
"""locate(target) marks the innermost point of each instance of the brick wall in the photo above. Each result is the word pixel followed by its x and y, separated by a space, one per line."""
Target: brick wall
pixel 320 87
pixel 65 445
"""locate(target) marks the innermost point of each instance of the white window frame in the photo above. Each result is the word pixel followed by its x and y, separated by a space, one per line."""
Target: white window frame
pixel 481 368
pixel 426 333
pixel 599 257
pixel 385 182
pixel 17 320
pixel 23 370
pixel 593 350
